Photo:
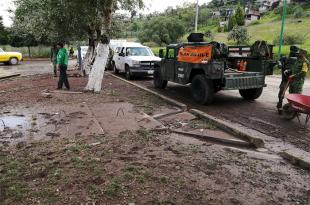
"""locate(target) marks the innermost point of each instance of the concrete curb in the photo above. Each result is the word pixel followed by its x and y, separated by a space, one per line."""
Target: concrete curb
pixel 169 100
pixel 297 157
pixel 9 76
pixel 243 133
pixel 230 142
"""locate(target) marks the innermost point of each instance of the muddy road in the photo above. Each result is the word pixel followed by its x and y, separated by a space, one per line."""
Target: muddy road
pixel 99 149
pixel 260 115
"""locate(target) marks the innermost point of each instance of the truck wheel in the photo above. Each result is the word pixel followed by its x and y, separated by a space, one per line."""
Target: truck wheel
pixel 202 90
pixel 114 68
pixel 13 61
pixel 128 74
pixel 159 82
pixel 251 94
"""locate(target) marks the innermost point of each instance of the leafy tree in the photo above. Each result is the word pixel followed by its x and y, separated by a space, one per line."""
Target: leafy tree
pixel 231 23
pixel 162 30
pixel 3 33
pixel 240 20
pixel 239 34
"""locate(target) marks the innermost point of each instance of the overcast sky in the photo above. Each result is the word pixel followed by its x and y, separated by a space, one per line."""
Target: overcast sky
pixel 151 6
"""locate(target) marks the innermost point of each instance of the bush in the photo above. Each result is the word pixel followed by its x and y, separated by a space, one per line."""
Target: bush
pixel 298 12
pixel 291 39
pixel 239 34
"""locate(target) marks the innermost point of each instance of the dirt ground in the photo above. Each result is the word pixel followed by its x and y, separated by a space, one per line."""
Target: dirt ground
pixel 107 149
pixel 260 115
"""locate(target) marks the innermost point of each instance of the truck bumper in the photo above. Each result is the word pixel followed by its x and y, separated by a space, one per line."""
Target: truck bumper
pixel 245 80
pixel 141 71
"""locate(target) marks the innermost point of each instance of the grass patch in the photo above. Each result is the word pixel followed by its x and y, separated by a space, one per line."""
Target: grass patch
pixel 202 124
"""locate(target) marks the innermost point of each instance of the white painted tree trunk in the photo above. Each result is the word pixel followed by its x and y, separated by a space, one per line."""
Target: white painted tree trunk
pixel 96 74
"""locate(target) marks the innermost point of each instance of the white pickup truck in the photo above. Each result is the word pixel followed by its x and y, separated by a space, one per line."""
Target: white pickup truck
pixel 134 59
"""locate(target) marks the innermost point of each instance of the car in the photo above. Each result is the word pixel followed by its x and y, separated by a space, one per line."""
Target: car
pixel 134 59
pixel 212 67
pixel 12 58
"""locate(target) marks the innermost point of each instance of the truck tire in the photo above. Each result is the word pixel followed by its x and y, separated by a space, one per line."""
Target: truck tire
pixel 14 61
pixel 115 70
pixel 128 74
pixel 159 82
pixel 202 90
pixel 251 94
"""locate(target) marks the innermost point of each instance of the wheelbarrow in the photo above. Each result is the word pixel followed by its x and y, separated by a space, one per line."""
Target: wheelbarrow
pixel 297 104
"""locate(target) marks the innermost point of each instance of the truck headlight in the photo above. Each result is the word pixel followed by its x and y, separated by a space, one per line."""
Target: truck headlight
pixel 136 63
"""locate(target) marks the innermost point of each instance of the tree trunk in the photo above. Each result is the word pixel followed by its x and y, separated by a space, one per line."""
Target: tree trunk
pixel 97 72
pixel 102 51
pixel 29 53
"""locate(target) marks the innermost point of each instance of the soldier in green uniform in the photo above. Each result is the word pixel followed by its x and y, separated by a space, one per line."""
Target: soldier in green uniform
pixel 285 64
pixel 62 65
pixel 299 72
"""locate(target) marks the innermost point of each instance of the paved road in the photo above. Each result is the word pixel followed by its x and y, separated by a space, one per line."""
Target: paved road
pixel 29 68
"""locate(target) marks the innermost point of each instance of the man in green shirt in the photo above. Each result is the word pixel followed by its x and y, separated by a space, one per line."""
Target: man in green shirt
pixel 62 65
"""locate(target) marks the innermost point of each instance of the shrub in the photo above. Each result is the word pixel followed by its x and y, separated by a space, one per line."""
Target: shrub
pixel 298 12
pixel 239 34
pixel 290 39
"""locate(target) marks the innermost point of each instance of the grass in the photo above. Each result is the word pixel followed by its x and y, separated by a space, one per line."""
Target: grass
pixel 269 28
pixel 36 52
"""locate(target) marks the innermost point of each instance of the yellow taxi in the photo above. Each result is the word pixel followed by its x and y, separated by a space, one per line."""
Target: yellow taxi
pixel 11 58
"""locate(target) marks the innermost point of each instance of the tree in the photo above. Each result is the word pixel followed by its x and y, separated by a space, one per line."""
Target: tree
pixel 239 35
pixel 231 23
pixel 240 20
pixel 3 33
pixel 162 30
pixel 18 38
pixel 71 20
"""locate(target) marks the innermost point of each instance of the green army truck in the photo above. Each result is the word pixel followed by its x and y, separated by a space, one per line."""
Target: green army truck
pixel 212 67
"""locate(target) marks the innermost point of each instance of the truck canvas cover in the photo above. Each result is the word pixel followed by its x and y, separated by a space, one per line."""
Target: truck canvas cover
pixel 195 54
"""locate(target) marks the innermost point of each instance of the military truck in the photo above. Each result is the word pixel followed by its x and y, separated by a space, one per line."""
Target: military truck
pixel 212 67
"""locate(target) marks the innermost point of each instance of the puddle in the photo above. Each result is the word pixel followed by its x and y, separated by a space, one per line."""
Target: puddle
pixel 13 122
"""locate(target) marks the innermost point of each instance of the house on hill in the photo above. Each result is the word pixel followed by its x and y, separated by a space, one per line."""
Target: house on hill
pixel 252 16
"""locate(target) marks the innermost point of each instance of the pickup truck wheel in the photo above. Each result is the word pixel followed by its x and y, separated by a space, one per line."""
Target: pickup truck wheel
pixel 128 74
pixel 251 94
pixel 202 90
pixel 114 68
pixel 13 61
pixel 159 82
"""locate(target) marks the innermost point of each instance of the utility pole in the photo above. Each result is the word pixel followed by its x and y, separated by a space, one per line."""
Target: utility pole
pixel 196 19
pixel 282 28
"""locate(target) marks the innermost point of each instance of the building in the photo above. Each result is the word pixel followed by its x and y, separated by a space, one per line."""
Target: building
pixel 252 16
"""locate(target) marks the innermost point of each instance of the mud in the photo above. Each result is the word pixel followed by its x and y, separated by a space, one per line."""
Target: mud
pixel 81 152
pixel 260 115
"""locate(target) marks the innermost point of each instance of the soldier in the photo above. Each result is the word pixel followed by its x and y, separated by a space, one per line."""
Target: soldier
pixel 54 52
pixel 294 70
pixel 299 72
pixel 62 65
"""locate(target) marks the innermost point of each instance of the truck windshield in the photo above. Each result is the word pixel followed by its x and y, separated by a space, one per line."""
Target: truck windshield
pixel 138 51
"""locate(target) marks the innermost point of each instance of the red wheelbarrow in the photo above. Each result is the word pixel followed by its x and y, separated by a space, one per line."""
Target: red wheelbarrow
pixel 298 104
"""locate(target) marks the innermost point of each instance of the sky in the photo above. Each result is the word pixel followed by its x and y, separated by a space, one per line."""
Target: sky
pixel 151 6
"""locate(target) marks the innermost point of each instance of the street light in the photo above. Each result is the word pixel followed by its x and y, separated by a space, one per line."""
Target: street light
pixel 196 20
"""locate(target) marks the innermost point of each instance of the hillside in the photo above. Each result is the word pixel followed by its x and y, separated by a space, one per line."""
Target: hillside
pixel 269 30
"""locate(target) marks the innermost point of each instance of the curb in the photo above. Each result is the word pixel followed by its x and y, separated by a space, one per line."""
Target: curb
pixel 214 139
pixel 297 157
pixel 239 132
pixel 9 76
pixel 169 100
